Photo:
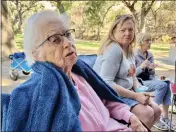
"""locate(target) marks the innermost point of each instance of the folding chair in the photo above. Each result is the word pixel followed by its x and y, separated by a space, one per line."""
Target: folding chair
pixel 173 89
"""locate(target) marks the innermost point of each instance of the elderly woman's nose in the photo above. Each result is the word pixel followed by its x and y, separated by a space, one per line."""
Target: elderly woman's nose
pixel 67 42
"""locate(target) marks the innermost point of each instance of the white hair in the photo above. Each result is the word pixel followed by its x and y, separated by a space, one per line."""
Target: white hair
pixel 32 31
pixel 141 37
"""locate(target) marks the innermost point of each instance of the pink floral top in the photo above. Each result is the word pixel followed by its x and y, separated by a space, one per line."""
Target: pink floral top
pixel 97 115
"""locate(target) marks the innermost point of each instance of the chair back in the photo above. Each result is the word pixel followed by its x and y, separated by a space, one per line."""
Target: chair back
pixel 89 59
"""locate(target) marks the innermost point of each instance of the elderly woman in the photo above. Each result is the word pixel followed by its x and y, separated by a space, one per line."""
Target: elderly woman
pixel 116 65
pixel 62 94
pixel 146 70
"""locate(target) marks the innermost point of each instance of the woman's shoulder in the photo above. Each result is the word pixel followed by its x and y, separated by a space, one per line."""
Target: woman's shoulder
pixel 137 52
pixel 113 52
pixel 149 54
pixel 114 48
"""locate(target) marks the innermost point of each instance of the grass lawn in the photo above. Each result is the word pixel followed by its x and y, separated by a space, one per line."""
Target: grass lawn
pixel 89 47
pixel 19 41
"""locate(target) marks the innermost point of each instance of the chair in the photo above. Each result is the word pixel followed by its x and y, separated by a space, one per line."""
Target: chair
pixel 89 59
pixel 173 89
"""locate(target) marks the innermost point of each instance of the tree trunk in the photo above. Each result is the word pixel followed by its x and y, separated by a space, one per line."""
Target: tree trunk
pixel 8 43
pixel 142 23
pixel 98 33
pixel 60 6
pixel 21 21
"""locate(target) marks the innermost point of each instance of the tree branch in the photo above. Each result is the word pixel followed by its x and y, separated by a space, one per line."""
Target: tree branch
pixel 127 3
pixel 29 7
pixel 134 2
pixel 143 5
pixel 106 13
pixel 148 8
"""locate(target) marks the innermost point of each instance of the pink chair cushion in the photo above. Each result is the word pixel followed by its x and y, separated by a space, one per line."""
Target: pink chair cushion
pixel 173 88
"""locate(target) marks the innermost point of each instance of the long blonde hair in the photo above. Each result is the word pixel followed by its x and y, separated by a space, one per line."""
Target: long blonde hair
pixel 110 38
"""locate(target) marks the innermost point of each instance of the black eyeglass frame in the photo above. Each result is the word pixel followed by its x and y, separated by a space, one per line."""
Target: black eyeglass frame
pixel 54 35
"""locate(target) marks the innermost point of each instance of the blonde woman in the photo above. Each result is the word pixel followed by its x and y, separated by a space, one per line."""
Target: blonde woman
pixel 116 65
pixel 146 71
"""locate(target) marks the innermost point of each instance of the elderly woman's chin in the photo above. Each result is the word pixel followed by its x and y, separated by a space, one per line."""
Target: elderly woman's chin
pixel 71 58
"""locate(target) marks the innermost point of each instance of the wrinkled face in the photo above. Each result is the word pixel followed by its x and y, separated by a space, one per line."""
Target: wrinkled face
pixel 146 44
pixel 124 34
pixel 59 47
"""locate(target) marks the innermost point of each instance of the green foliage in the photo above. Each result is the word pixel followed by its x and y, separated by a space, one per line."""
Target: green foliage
pixel 97 11
pixel 19 41
pixel 94 11
pixel 162 20
pixel 67 5
pixel 19 11
pixel 165 38
pixel 92 19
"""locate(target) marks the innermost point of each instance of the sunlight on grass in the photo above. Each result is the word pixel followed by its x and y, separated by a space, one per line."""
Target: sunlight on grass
pixel 19 41
pixel 158 47
pixel 87 44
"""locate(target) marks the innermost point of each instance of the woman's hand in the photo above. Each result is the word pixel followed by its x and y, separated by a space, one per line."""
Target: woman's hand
pixel 132 70
pixel 144 64
pixel 152 66
pixel 136 125
pixel 142 98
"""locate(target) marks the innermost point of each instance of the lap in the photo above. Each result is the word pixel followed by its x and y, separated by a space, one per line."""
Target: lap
pixel 130 102
pixel 155 84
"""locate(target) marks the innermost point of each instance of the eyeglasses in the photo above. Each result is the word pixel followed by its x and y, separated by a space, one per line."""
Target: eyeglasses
pixel 148 41
pixel 57 39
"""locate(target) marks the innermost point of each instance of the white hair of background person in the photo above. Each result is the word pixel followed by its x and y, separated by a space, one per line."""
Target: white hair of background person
pixel 141 37
pixel 31 31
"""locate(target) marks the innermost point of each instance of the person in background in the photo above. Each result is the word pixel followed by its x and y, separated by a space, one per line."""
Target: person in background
pixel 172 53
pixel 115 63
pixel 146 71
pixel 173 40
pixel 63 93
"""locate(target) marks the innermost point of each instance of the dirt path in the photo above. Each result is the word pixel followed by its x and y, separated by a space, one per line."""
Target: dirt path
pixel 7 83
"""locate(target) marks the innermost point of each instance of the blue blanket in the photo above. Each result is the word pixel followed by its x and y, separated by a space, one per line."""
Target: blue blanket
pixel 48 101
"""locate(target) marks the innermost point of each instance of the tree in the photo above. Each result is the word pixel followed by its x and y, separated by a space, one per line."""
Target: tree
pixel 19 12
pixel 79 20
pixel 60 6
pixel 145 7
pixel 162 18
pixel 154 11
pixel 96 13
pixel 8 43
